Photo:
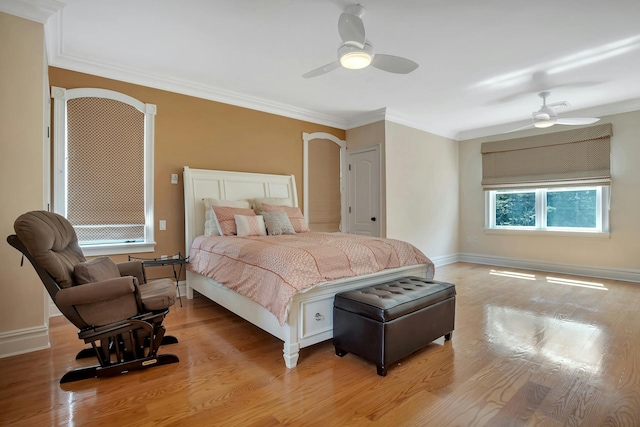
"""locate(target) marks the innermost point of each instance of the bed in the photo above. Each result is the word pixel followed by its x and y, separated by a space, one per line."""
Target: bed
pixel 309 316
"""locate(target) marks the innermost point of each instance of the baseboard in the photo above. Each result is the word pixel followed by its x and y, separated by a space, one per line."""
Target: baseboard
pixel 24 340
pixel 182 288
pixel 624 274
pixel 439 261
pixel 53 309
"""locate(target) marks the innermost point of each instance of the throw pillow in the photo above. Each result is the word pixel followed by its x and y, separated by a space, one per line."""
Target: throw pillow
pixel 277 223
pixel 295 216
pixel 225 219
pixel 95 270
pixel 210 226
pixel 250 225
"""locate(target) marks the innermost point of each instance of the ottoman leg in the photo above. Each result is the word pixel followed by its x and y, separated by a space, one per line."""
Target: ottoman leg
pixel 447 337
pixel 340 352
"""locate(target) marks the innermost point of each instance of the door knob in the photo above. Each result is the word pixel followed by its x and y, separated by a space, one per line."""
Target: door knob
pixel 373 218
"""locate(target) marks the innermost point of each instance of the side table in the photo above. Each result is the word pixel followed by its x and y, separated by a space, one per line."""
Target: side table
pixel 173 261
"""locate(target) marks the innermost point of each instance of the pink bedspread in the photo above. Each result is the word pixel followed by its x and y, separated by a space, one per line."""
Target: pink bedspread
pixel 271 269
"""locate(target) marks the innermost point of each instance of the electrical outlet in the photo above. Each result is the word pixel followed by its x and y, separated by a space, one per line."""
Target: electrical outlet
pixel 174 178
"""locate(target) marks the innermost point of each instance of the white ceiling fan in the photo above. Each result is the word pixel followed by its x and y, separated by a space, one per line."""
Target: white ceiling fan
pixel 356 52
pixel 546 116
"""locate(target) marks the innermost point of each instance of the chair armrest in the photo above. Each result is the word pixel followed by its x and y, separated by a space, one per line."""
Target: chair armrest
pixel 96 292
pixel 133 268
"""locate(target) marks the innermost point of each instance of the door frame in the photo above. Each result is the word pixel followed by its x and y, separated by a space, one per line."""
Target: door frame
pixel 306 137
pixel 350 197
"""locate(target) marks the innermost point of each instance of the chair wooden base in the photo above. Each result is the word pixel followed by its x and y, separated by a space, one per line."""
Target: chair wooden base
pixel 98 371
pixel 89 352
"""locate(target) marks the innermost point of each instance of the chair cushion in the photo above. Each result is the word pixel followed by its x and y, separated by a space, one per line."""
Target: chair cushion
pixel 95 270
pixel 52 242
pixel 158 294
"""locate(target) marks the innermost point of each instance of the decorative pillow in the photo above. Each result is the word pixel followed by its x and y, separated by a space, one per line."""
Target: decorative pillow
pixel 278 223
pixel 225 219
pixel 250 225
pixel 210 227
pixel 95 270
pixel 295 216
pixel 279 201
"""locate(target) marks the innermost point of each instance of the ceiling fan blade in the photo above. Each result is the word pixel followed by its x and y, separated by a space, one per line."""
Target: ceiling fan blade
pixel 393 64
pixel 577 121
pixel 322 70
pixel 529 126
pixel 351 29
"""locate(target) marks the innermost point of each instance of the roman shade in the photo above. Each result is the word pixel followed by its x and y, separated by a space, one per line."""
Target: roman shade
pixel 571 158
pixel 105 178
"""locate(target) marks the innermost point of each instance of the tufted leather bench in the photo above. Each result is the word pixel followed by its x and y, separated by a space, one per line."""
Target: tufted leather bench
pixel 386 322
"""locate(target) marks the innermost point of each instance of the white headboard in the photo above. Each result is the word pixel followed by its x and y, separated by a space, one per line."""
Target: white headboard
pixel 202 183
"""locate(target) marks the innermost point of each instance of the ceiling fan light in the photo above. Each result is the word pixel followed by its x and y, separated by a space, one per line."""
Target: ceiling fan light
pixel 355 60
pixel 540 124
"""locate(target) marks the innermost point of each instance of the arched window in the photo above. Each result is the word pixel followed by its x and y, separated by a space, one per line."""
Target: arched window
pixel 103 168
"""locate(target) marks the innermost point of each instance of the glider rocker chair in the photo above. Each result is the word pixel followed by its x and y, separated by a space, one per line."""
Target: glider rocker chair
pixel 111 304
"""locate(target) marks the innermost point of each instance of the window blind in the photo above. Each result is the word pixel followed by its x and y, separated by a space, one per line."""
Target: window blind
pixel 105 180
pixel 576 157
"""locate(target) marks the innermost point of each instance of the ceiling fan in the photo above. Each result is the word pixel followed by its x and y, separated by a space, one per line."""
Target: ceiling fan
pixel 546 116
pixel 356 52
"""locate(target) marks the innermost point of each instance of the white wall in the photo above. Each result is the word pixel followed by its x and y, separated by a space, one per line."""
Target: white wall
pixel 594 256
pixel 422 190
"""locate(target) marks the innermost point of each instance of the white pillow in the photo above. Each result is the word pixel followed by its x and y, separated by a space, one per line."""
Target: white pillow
pixel 210 226
pixel 250 225
pixel 280 201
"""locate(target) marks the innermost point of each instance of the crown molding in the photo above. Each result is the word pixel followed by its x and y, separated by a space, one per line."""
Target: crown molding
pixel 406 120
pixel 33 10
pixel 156 81
pixel 366 118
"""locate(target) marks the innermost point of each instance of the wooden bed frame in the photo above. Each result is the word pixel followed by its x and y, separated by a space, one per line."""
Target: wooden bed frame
pixel 310 318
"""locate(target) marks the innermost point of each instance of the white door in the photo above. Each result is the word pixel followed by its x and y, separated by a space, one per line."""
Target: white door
pixel 364 191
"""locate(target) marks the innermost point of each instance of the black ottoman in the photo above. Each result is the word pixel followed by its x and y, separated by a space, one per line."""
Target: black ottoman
pixel 386 322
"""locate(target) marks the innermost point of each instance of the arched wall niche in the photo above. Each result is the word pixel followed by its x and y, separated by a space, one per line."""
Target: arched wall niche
pixel 324 194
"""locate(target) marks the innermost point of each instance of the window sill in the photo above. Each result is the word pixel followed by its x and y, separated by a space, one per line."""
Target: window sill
pixel 549 233
pixel 118 248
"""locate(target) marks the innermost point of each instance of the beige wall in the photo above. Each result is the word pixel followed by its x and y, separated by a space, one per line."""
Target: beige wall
pixel 21 176
pixel 619 251
pixel 204 134
pixel 422 189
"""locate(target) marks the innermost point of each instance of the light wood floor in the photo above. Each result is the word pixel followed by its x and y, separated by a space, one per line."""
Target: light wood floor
pixel 530 349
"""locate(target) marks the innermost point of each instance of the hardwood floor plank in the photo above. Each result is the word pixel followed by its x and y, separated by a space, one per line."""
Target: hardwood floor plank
pixel 529 348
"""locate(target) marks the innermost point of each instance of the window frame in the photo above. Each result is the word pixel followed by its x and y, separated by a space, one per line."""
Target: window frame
pixel 602 214
pixel 61 96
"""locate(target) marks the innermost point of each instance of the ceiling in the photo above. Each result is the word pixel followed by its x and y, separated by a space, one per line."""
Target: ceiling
pixel 482 63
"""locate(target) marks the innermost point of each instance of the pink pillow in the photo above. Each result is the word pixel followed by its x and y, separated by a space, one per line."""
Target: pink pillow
pixel 295 216
pixel 225 218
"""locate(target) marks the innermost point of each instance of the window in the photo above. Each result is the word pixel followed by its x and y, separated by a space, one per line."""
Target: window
pixel 549 183
pixel 569 209
pixel 103 162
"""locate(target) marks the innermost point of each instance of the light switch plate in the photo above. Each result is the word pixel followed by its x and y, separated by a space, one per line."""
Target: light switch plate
pixel 163 224
pixel 174 178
